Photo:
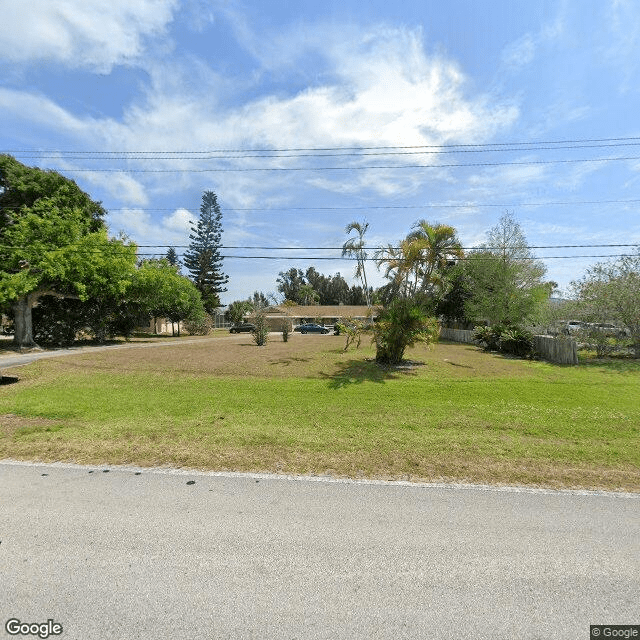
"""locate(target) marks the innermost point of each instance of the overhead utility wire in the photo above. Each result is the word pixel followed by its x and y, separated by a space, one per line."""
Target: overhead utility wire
pixel 437 205
pixel 289 149
pixel 337 258
pixel 372 248
pixel 360 167
pixel 340 248
pixel 206 155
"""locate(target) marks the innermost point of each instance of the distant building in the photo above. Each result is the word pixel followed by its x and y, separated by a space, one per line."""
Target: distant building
pixel 322 314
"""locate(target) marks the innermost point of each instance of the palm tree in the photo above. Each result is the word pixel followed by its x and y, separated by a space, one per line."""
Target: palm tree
pixel 401 266
pixel 354 247
pixel 308 295
pixel 438 245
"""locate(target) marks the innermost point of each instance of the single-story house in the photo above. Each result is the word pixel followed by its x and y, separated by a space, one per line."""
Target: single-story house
pixel 320 314
pixel 162 325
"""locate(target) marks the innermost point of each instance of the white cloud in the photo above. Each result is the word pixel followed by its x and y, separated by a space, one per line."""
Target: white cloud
pixel 622 46
pixel 135 223
pixel 94 34
pixel 520 53
pixel 120 185
pixel 508 180
pixel 572 177
pixel 179 221
pixel 172 229
pixel 379 89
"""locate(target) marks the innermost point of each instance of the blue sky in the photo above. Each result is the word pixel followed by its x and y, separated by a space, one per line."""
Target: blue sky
pixel 180 78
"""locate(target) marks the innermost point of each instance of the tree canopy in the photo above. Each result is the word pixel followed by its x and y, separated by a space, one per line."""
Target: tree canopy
pixel 53 241
pixel 610 292
pixel 299 286
pixel 419 265
pixel 503 278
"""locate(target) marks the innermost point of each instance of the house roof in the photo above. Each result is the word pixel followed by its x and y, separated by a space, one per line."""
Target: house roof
pixel 323 311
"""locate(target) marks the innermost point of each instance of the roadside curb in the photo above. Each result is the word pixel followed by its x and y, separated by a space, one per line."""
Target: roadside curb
pixel 453 486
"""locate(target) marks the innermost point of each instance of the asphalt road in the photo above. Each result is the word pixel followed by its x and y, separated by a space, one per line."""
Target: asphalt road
pixel 12 359
pixel 158 554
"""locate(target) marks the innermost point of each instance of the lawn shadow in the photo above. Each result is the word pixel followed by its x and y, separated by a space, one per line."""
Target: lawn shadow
pixel 367 370
pixel 614 365
pixel 457 364
pixel 288 361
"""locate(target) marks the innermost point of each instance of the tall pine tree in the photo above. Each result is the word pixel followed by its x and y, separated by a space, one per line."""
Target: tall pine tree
pixel 203 259
pixel 172 257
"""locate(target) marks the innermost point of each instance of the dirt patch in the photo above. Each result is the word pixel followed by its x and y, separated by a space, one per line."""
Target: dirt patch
pixel 10 423
pixel 315 356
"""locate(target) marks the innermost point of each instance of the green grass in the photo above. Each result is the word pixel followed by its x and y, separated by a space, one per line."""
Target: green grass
pixel 461 415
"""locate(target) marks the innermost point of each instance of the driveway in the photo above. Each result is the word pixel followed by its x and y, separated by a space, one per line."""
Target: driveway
pixel 130 553
pixel 13 359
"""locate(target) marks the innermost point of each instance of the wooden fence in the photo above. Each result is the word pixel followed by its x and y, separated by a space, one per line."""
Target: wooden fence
pixel 560 350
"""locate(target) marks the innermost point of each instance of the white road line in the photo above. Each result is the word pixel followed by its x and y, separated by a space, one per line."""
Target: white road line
pixel 329 479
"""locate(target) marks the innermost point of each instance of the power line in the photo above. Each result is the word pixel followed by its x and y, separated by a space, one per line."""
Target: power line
pixel 208 155
pixel 360 167
pixel 361 148
pixel 432 205
pixel 436 205
pixel 281 248
pixel 305 248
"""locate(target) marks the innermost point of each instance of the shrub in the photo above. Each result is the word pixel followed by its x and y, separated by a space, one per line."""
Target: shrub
pixel 261 331
pixel 56 321
pixel 517 342
pixel 599 341
pixel 199 325
pixel 512 340
pixel 488 337
pixel 286 328
pixel 401 325
pixel 353 329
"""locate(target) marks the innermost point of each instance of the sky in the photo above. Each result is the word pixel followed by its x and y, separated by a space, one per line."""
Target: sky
pixel 305 116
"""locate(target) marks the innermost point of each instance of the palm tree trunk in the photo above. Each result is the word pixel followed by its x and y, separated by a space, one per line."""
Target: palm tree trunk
pixel 364 283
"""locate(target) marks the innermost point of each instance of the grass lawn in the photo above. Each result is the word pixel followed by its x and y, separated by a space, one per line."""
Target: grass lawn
pixel 455 414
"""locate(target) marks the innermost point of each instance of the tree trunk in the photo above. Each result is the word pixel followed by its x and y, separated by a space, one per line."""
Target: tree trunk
pixel 22 320
pixel 23 336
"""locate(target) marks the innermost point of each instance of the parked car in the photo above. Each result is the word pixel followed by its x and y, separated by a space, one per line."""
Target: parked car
pixel 311 328
pixel 608 329
pixel 242 327
pixel 573 326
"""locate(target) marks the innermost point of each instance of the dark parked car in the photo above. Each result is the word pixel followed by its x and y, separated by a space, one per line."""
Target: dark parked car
pixel 311 328
pixel 242 327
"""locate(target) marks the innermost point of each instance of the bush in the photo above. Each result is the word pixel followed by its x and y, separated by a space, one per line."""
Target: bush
pixel 600 342
pixel 261 331
pixel 401 325
pixel 199 325
pixel 56 321
pixel 353 329
pixel 512 340
pixel 286 328
pixel 488 337
pixel 517 342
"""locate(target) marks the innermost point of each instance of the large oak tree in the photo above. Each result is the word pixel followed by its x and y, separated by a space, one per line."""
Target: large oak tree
pixel 53 241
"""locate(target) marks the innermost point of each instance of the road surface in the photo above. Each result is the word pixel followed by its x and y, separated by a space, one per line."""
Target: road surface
pixel 129 553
